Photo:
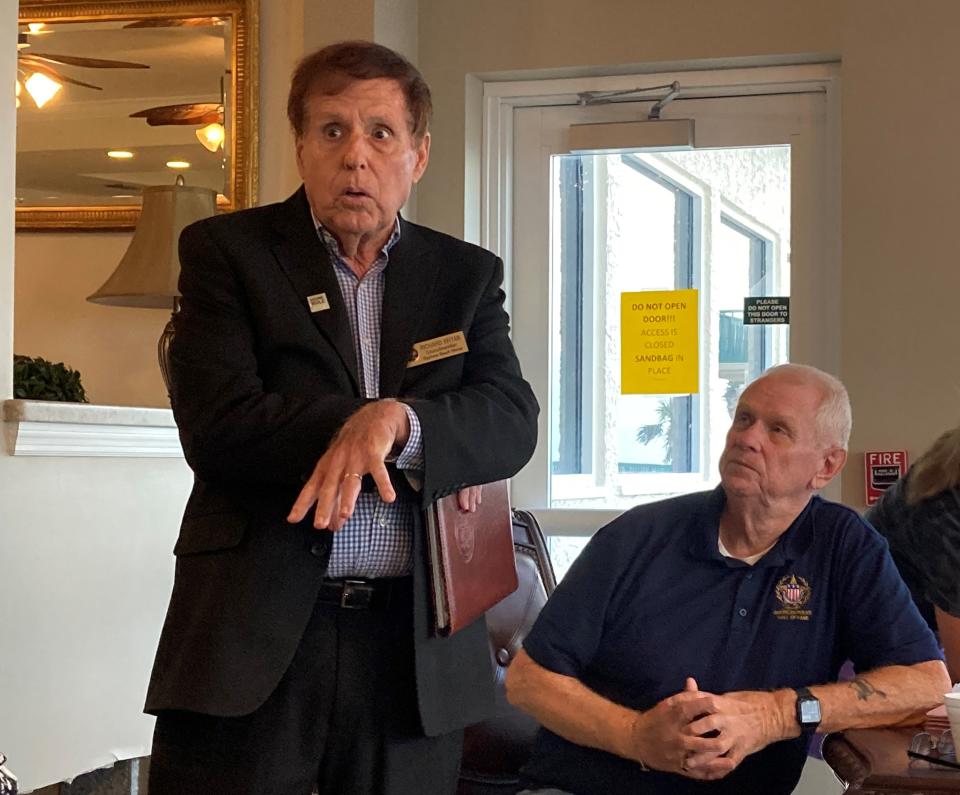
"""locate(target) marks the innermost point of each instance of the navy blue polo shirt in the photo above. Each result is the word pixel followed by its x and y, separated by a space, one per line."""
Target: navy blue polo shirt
pixel 651 601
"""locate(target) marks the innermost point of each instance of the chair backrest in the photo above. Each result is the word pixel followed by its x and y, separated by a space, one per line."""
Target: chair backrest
pixel 495 750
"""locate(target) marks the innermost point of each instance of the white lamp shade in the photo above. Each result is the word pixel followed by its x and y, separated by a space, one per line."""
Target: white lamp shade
pixel 148 272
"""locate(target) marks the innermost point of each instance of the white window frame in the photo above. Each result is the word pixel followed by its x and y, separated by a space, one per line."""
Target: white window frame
pixel 714 206
pixel 489 215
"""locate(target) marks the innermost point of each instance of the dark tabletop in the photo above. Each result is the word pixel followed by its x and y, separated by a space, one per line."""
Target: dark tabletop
pixel 876 761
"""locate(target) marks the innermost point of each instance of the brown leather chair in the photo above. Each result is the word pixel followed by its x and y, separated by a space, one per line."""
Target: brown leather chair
pixel 495 750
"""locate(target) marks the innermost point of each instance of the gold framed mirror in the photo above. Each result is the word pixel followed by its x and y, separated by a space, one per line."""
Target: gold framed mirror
pixel 168 82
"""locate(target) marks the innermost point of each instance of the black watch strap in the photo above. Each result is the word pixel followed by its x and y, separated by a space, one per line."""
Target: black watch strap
pixel 808 711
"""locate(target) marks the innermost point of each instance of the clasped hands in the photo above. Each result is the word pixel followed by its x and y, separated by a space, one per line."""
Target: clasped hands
pixel 362 445
pixel 703 735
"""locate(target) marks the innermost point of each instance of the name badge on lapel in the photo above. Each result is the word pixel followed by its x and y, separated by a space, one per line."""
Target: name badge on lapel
pixel 318 302
pixel 437 348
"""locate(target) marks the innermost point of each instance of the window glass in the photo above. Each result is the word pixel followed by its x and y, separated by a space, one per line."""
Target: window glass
pixel 713 220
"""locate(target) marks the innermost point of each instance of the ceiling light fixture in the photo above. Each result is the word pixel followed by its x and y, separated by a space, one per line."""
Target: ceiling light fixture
pixel 41 88
pixel 119 154
pixel 177 164
pixel 212 136
pixel 46 67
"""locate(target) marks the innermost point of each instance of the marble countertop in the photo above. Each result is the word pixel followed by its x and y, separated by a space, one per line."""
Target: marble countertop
pixel 85 413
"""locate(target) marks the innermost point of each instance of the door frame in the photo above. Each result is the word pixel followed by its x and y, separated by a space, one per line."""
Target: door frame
pixel 488 210
pixel 490 173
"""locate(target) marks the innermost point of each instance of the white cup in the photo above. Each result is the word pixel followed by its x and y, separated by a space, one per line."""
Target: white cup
pixel 952 702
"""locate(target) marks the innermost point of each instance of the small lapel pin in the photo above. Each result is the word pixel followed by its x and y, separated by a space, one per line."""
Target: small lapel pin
pixel 318 302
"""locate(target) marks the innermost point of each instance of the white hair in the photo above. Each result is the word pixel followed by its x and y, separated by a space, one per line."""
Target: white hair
pixel 834 416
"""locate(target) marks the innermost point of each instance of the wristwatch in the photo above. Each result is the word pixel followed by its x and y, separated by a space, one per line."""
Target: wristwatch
pixel 808 711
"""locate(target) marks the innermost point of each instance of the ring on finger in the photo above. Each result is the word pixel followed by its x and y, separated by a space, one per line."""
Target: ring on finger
pixel 356 475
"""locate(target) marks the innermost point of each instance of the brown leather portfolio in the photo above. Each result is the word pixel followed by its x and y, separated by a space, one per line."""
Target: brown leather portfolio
pixel 471 557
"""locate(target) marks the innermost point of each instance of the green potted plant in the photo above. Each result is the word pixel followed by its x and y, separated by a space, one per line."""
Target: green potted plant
pixel 35 378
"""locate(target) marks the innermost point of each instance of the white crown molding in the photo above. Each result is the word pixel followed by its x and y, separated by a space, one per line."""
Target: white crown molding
pixel 39 428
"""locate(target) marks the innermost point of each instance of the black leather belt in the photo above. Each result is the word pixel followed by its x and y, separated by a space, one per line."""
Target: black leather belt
pixel 354 593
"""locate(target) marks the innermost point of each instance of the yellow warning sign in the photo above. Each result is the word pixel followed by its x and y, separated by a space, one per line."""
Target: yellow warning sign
pixel 659 343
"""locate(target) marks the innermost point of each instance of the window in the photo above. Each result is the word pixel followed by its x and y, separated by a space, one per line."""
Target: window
pixel 578 230
pixel 636 222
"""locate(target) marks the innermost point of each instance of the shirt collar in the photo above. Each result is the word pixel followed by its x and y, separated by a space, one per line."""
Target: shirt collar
pixel 333 245
pixel 793 543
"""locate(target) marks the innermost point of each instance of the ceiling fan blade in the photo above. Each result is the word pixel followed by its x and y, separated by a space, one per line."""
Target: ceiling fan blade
pixel 176 22
pixel 189 113
pixel 88 63
pixel 38 66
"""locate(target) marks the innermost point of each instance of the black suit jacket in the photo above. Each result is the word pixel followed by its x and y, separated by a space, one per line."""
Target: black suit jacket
pixel 260 386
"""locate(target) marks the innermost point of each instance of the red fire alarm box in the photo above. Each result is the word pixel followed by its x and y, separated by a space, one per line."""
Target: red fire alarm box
pixel 883 469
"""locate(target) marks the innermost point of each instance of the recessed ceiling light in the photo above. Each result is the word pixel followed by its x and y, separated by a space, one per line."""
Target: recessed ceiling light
pixel 177 164
pixel 122 196
pixel 120 154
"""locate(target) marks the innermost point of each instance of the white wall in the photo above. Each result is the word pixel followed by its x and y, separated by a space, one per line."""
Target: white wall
pixel 396 25
pixel 8 120
pixel 86 574
pixel 281 46
pixel 113 348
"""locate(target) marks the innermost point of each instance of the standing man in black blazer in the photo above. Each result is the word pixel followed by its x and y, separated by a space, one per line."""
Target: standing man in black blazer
pixel 319 421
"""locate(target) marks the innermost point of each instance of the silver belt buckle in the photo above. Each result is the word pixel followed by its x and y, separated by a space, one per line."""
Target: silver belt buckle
pixel 356 594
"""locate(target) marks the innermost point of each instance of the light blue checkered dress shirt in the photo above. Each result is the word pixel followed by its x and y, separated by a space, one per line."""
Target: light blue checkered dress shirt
pixel 377 541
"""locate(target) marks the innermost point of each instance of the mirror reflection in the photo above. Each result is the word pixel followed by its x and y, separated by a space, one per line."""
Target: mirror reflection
pixel 107 106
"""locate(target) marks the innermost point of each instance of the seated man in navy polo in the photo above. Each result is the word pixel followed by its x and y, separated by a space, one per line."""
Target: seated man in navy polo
pixel 688 648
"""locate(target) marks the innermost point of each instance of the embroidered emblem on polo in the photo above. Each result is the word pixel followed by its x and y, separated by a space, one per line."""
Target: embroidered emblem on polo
pixel 792 593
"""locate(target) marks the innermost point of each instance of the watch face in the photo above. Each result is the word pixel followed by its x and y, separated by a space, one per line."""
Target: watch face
pixel 809 710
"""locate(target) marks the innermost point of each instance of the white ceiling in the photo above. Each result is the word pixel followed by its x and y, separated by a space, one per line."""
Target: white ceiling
pixel 61 148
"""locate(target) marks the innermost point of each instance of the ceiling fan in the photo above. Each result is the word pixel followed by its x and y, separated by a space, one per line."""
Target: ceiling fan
pixel 186 113
pixel 48 65
pixel 208 114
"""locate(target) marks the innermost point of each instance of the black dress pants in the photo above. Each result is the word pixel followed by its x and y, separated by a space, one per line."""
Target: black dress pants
pixel 343 720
